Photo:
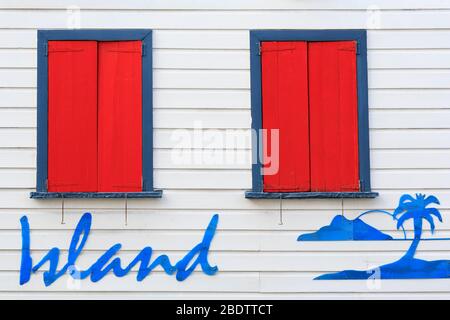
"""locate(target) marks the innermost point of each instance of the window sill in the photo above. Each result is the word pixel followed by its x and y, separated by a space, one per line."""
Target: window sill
pixel 309 195
pixel 96 195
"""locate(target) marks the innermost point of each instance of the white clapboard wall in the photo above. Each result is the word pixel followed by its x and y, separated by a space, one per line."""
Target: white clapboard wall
pixel 201 78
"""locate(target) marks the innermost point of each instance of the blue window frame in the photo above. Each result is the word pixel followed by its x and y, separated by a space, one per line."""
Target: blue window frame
pixel 256 37
pixel 143 35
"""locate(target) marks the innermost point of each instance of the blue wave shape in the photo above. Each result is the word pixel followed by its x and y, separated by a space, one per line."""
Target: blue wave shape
pixel 405 268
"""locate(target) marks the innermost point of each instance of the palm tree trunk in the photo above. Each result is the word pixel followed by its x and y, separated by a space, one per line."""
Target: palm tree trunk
pixel 412 249
pixel 417 235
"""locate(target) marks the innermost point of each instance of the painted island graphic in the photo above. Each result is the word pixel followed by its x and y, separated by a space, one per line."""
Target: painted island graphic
pixel 419 210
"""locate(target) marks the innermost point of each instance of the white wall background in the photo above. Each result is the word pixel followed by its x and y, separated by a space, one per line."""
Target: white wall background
pixel 201 73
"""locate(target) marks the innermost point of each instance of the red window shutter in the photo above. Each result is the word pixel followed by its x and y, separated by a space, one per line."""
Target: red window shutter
pixel 72 116
pixel 333 116
pixel 120 116
pixel 285 107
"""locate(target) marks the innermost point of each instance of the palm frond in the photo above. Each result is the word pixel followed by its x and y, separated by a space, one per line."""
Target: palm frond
pixel 435 212
pixel 406 197
pixel 430 221
pixel 406 203
pixel 403 218
pixel 397 211
pixel 431 199
pixel 409 206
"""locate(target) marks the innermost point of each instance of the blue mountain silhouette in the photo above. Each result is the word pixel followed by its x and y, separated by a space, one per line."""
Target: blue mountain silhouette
pixel 342 228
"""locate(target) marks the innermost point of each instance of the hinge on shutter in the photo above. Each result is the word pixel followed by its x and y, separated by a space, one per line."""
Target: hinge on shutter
pixel 273 50
pixel 143 50
pixel 358 49
pixel 360 185
pixel 142 183
pixel 46 184
pixel 46 49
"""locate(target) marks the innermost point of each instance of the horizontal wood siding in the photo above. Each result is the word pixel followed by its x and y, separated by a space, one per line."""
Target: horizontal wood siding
pixel 201 80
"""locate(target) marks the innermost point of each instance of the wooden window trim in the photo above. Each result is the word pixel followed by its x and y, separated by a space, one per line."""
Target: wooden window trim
pixel 144 35
pixel 358 35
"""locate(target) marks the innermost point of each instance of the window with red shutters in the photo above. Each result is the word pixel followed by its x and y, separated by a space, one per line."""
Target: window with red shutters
pixel 309 93
pixel 94 116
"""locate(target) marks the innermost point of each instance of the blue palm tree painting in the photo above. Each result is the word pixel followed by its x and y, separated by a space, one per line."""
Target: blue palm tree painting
pixel 408 266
